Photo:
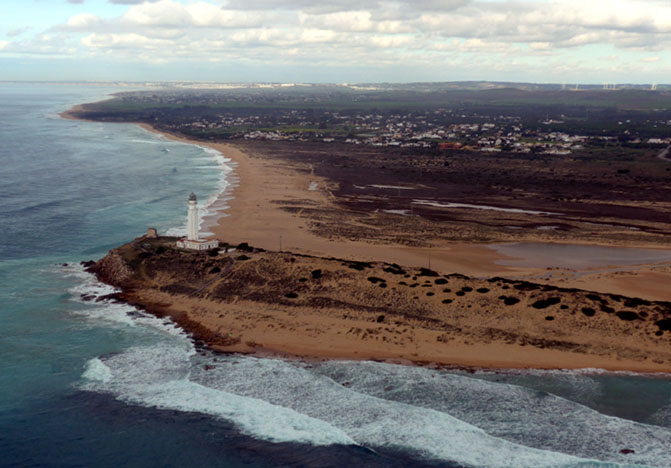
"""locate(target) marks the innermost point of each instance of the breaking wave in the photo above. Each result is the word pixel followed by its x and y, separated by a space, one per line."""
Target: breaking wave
pixel 430 414
pixel 209 211
pixel 518 414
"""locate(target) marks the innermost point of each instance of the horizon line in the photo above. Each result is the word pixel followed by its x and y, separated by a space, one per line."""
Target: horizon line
pixel 570 86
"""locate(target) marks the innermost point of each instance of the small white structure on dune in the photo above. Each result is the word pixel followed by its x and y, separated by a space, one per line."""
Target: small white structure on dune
pixel 191 241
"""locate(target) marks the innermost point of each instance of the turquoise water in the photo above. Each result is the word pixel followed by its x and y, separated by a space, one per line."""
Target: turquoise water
pixel 99 384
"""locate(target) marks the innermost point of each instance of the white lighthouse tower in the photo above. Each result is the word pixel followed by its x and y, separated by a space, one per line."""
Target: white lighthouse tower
pixel 192 240
pixel 192 218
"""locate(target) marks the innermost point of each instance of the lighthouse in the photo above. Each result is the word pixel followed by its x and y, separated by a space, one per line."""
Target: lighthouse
pixel 192 218
pixel 192 240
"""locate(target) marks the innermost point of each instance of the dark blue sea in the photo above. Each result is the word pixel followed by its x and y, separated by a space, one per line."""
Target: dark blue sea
pixel 99 384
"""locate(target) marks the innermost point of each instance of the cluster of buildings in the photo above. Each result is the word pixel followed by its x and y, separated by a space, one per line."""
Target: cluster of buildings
pixel 443 128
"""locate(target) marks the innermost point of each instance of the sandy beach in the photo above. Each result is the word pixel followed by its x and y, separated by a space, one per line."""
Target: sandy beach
pixel 271 303
pixel 255 216
pixel 477 333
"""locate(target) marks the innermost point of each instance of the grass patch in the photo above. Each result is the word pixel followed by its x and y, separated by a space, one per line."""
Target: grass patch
pixel 588 311
pixel 545 303
pixel 509 300
pixel 627 316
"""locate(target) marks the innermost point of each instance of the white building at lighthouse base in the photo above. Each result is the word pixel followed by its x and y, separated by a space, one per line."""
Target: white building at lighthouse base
pixel 185 243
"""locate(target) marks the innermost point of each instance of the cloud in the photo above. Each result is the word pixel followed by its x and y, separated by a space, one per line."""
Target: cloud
pixel 122 41
pixel 130 2
pixel 500 35
pixel 83 21
pixel 312 7
pixel 554 24
pixel 76 1
pixel 43 45
pixel 359 20
pixel 387 42
pixel 168 13
pixel 17 32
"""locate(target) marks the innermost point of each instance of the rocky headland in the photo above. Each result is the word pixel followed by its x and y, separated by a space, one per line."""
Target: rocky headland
pixel 242 299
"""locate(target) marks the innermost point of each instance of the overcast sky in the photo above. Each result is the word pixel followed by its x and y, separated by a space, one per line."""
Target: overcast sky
pixel 559 41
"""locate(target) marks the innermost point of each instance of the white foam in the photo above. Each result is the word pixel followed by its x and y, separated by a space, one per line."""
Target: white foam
pixel 176 231
pixel 148 142
pixel 117 314
pixel 253 416
pixel 372 421
pixel 107 313
pixel 88 283
pixel 158 376
pixel 432 414
pixel 96 371
pixel 209 211
pixel 515 413
pixel 585 371
pixel 110 312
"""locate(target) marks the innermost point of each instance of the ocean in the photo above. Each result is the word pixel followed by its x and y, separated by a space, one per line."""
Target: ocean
pixel 86 383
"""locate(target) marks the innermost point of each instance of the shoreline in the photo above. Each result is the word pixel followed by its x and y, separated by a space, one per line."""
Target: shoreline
pixel 250 167
pixel 460 358
pixel 345 313
pixel 264 227
pixel 251 216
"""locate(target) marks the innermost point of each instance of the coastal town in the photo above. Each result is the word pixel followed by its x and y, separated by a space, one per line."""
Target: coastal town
pixel 486 134
pixel 497 120
pixel 391 160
